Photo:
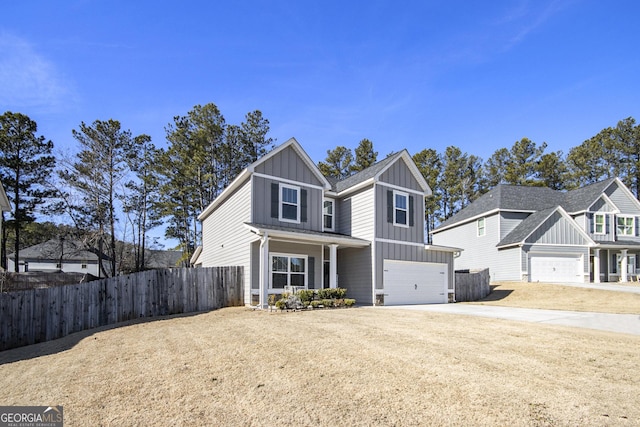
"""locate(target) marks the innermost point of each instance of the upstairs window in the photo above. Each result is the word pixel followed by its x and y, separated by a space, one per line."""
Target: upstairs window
pixel 400 208
pixel 481 227
pixel 290 203
pixel 327 213
pixel 624 226
pixel 599 224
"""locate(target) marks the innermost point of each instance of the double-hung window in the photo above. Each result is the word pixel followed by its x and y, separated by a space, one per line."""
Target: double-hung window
pixel 288 270
pixel 400 208
pixel 289 203
pixel 598 226
pixel 327 214
pixel 481 227
pixel 624 226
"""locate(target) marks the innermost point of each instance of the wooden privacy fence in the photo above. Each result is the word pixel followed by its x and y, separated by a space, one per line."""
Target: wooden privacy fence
pixel 38 315
pixel 472 285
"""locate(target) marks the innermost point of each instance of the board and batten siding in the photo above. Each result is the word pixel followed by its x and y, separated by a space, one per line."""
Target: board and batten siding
pixel 399 174
pixel 479 252
pixel 588 220
pixel 404 252
pixel 288 164
pixel 386 229
pixel 557 230
pixel 262 205
pixel 621 199
pixel 225 239
pixel 356 215
pixel 354 274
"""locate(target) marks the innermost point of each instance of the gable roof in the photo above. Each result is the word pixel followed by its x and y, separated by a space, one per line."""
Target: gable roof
pixel 374 171
pixel 530 224
pixel 242 176
pixel 504 197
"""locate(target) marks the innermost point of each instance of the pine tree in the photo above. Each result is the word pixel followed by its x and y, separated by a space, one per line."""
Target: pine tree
pixel 25 167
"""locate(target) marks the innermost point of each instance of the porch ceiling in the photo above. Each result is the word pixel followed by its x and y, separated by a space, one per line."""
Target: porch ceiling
pixel 306 236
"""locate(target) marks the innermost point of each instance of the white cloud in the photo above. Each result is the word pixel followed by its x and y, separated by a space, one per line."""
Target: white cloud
pixel 27 78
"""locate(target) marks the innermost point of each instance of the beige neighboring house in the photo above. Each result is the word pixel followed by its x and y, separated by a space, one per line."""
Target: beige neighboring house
pixel 5 206
pixel 56 255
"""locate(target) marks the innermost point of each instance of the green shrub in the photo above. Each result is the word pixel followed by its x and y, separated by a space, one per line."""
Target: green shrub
pixel 340 293
pixel 281 303
pixel 315 303
pixel 349 302
pixel 327 303
pixel 324 293
pixel 305 295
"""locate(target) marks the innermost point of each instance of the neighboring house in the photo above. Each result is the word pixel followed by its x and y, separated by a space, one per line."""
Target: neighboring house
pixel 5 206
pixel 591 234
pixel 287 225
pixel 66 255
pixel 154 259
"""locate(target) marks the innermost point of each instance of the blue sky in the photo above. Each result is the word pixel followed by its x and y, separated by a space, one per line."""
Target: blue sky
pixel 418 74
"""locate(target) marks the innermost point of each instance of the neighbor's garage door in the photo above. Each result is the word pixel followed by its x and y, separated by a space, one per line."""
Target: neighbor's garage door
pixel 556 268
pixel 414 282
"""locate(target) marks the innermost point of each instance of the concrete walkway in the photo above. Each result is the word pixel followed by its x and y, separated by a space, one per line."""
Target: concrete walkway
pixel 623 323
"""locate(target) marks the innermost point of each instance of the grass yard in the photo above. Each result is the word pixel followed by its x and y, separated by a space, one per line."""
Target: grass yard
pixel 360 366
pixel 558 297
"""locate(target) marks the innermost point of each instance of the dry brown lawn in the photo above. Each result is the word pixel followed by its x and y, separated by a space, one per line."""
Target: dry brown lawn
pixel 360 366
pixel 558 297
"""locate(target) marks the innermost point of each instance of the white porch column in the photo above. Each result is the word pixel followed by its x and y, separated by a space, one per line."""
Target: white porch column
pixel 596 266
pixel 333 266
pixel 623 265
pixel 264 271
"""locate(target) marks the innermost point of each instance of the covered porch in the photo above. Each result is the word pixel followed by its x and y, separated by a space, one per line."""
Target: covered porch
pixel 285 257
pixel 615 262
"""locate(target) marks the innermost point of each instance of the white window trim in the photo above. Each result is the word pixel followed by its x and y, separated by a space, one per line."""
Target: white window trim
pixel 288 256
pixel 395 209
pixel 333 214
pixel 633 225
pixel 595 223
pixel 281 202
pixel 483 228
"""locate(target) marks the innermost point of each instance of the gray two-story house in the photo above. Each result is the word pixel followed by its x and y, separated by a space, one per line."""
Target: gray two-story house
pixel 287 225
pixel 591 234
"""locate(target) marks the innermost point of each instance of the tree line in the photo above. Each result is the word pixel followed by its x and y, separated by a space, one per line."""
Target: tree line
pixel 458 178
pixel 119 186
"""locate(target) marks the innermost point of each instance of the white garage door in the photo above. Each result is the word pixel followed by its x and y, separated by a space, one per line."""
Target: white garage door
pixel 556 268
pixel 414 282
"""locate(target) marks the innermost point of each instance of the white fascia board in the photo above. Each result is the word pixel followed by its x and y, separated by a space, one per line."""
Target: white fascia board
pixel 356 187
pixel 222 196
pixel 414 171
pixel 293 143
pixel 468 220
pixel 442 248
pixel 296 236
pixel 626 191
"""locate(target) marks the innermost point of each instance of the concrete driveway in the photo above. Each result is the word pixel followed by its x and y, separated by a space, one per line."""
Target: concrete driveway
pixel 623 323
